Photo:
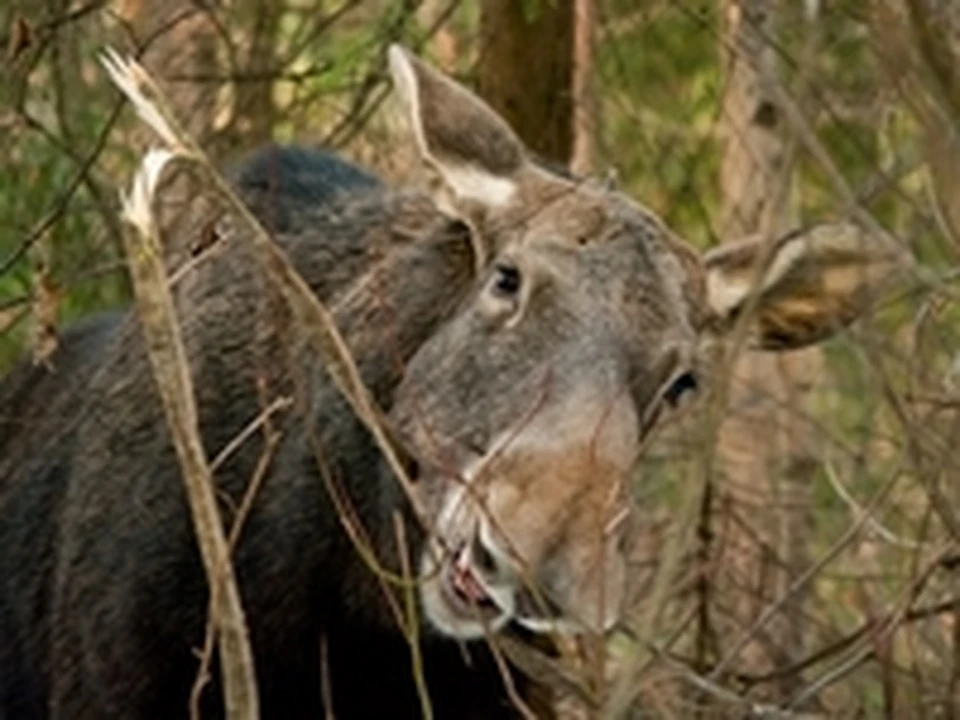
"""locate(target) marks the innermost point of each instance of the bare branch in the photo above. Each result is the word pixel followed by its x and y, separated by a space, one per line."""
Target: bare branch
pixel 168 358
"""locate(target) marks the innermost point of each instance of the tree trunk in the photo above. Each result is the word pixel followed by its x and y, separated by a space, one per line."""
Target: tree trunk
pixel 584 159
pixel 525 70
pixel 180 43
pixel 764 450
pixel 254 110
pixel 444 42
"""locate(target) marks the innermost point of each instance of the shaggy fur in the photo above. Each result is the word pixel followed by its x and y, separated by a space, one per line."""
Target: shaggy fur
pixel 102 594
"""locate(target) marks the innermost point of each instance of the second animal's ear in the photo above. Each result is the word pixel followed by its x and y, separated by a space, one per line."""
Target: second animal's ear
pixel 475 153
pixel 802 287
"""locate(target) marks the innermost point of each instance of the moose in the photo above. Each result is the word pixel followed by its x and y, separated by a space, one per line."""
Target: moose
pixel 522 331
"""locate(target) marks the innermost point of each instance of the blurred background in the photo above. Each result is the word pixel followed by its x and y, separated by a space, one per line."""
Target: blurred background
pixel 801 557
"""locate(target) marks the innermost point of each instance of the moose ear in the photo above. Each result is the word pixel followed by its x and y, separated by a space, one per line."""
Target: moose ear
pixel 473 150
pixel 805 285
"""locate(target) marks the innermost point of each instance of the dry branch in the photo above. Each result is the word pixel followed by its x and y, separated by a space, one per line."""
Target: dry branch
pixel 271 440
pixel 168 359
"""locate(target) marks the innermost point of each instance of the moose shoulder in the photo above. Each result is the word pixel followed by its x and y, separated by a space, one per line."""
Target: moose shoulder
pixel 520 330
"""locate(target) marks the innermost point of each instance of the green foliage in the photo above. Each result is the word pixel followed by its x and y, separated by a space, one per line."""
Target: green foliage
pixel 55 200
pixel 661 85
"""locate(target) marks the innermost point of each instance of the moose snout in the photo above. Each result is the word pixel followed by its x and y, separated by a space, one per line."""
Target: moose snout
pixel 536 594
pixel 534 532
pixel 547 561
pixel 534 590
pixel 563 571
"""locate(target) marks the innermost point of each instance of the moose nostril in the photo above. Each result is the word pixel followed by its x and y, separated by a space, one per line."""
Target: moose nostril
pixel 506 279
pixel 483 559
pixel 680 386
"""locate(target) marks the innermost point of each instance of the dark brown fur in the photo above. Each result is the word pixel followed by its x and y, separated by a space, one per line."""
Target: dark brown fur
pixel 97 530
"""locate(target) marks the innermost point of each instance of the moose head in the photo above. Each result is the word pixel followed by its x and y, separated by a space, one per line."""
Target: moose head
pixel 587 317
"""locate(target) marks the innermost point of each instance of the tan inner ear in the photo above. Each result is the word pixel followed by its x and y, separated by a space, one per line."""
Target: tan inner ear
pixel 817 282
pixel 797 321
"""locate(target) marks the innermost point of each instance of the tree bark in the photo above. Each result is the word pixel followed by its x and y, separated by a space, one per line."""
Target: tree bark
pixel 254 111
pixel 525 70
pixel 444 42
pixel 180 42
pixel 764 450
pixel 584 157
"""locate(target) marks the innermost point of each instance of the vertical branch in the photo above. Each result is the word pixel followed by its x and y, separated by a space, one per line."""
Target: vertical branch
pixel 411 624
pixel 953 682
pixel 584 157
pixel 935 38
pixel 168 359
pixel 46 302
pixel 753 142
pixel 445 43
pixel 254 109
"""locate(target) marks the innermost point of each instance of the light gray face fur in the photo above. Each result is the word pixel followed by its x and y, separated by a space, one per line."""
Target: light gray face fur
pixel 530 405
pixel 527 408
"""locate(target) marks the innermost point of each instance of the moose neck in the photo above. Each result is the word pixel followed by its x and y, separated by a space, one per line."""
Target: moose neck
pixel 394 307
pixel 385 315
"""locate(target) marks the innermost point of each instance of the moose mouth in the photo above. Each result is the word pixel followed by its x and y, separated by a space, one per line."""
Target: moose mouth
pixel 460 598
pixel 468 598
pixel 464 592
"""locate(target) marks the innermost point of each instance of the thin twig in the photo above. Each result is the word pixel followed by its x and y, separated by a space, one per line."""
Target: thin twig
pixel 893 620
pixel 859 514
pixel 281 403
pixel 806 576
pixel 708 686
pixel 411 628
pixel 272 439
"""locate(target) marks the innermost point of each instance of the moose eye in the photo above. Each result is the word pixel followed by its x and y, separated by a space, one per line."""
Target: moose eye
pixel 682 386
pixel 506 280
